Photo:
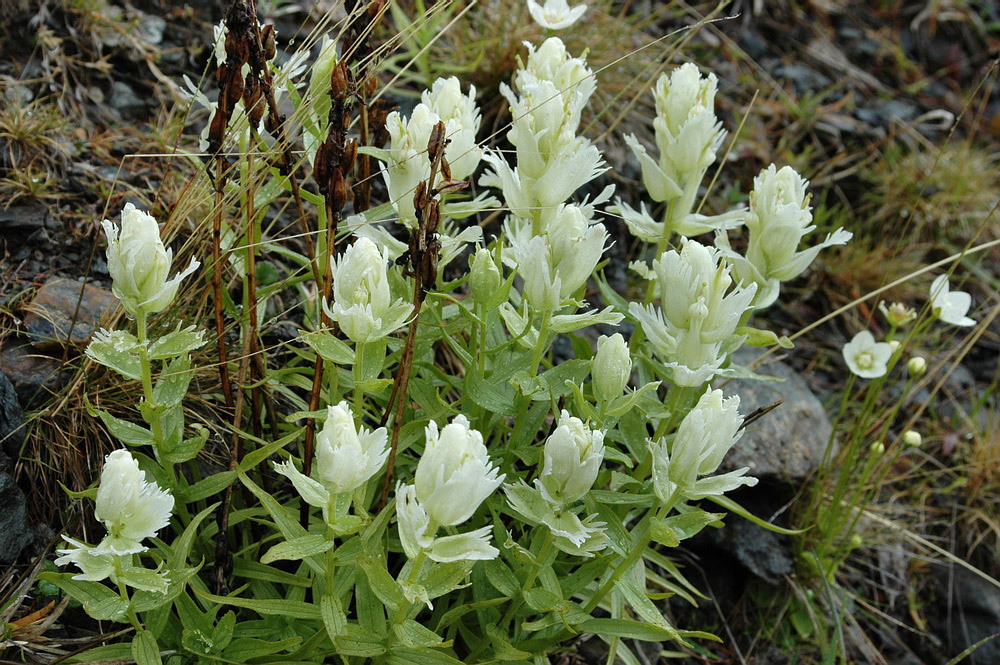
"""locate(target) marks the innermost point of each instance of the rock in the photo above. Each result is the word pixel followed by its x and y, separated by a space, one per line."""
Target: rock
pixel 762 552
pixel 32 374
pixel 11 424
pixel 970 612
pixel 51 313
pixel 15 529
pixel 787 443
pixel 125 100
pixel 805 79
pixel 26 218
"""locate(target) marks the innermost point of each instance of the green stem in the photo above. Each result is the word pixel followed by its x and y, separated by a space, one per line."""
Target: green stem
pixel 146 375
pixel 642 539
pixel 329 562
pixel 123 592
pixel 536 358
pixel 359 362
pixel 540 561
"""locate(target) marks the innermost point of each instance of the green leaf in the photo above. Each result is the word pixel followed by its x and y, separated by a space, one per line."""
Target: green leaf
pixel 490 394
pixel 107 653
pixel 244 649
pixel 734 507
pixel 329 347
pixel 182 546
pixel 177 343
pixel 381 582
pixel 207 487
pixel 295 609
pixel 334 617
pixel 627 628
pixel 118 350
pixel 173 382
pixel 189 448
pixel 687 525
pixel 98 601
pixel 297 549
pixel 407 656
pixel 128 433
pixel 758 337
pixel 663 534
pixel 145 650
pixel 254 570
pixel 145 580
pixel 287 524
pixel 412 634
pixel 222 635
pixel 501 577
pixel 359 642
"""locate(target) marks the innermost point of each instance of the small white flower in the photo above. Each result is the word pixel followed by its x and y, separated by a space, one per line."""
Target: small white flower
pixel 572 458
pixel 865 357
pixel 139 264
pixel 950 306
pixel 131 508
pixel 555 14
pixel 362 304
pixel 917 365
pixel 611 367
pixel 455 474
pixel 346 457
pixel 704 437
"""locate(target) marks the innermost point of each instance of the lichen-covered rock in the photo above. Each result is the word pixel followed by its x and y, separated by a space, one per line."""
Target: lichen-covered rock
pixel 53 313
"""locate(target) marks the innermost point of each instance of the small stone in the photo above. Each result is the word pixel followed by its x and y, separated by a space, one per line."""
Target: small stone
pixel 762 552
pixel 125 100
pixel 15 529
pixel 32 374
pixel 787 443
pixel 51 313
pixel 24 218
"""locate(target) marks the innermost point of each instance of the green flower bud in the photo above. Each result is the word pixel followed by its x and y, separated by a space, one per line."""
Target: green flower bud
pixel 611 367
pixel 484 276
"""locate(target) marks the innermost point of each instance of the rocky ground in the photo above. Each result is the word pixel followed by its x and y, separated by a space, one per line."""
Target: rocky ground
pixel 86 85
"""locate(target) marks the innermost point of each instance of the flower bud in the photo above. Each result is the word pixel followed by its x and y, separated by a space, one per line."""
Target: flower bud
pixel 912 438
pixel 484 275
pixel 131 508
pixel 856 541
pixel 877 448
pixel 897 314
pixel 917 366
pixel 139 264
pixel 455 474
pixel 572 459
pixel 347 457
pixel 894 344
pixel 611 367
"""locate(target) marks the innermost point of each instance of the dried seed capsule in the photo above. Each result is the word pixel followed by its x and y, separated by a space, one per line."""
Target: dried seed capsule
pixel 339 81
pixel 436 142
pixel 267 40
pixel 420 196
pixel 371 86
pixel 338 189
pixel 349 155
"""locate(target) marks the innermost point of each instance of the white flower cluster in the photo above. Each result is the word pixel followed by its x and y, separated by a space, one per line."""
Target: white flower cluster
pixel 454 476
pixel 139 264
pixel 704 437
pixel 132 510
pixel 694 328
pixel 552 161
pixel 571 460
pixel 346 458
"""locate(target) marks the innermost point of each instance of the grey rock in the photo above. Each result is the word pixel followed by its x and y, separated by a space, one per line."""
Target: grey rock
pixel 972 613
pixel 805 79
pixel 125 100
pixel 11 423
pixel 787 443
pixel 762 552
pixel 150 28
pixel 33 375
pixel 25 218
pixel 15 529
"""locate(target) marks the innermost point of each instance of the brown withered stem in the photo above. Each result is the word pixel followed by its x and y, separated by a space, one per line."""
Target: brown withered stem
pixel 421 261
pixel 334 164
